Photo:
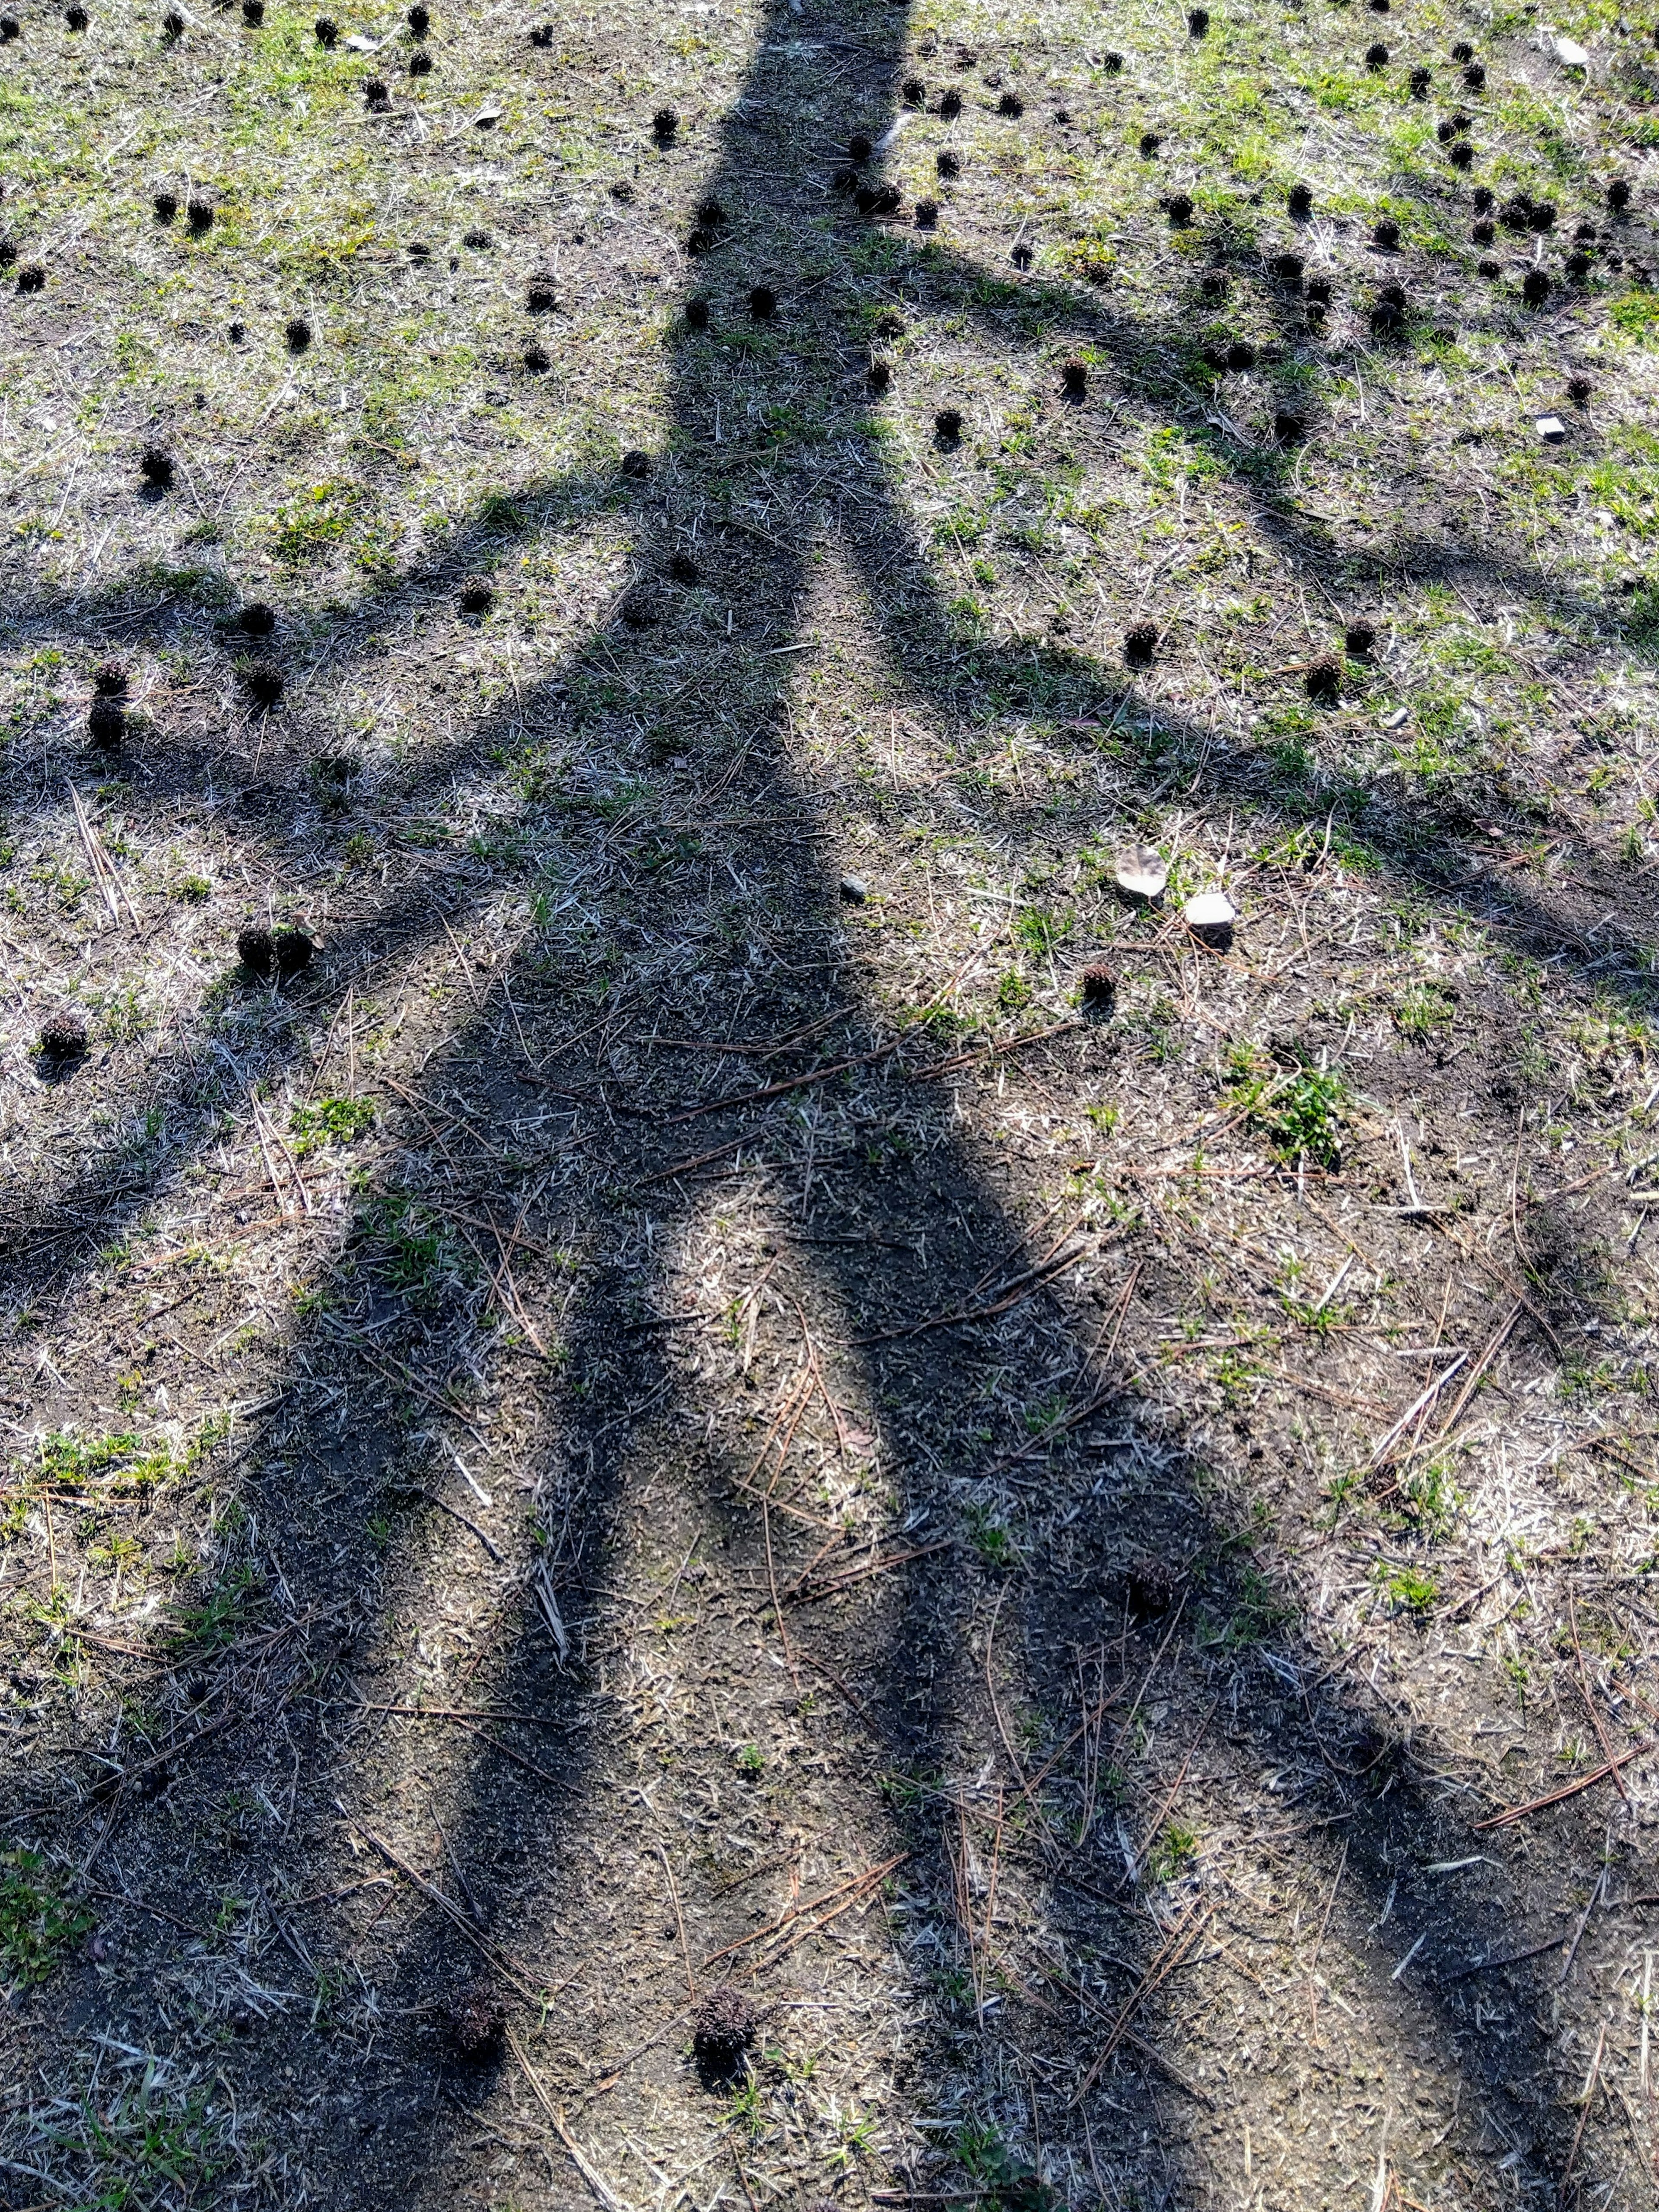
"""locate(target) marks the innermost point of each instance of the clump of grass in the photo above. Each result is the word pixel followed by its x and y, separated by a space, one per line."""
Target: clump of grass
pixel 39 1922
pixel 329 1121
pixel 1299 1110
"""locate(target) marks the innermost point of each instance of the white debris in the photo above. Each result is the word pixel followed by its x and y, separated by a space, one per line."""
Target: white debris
pixel 1141 872
pixel 1552 429
pixel 1570 53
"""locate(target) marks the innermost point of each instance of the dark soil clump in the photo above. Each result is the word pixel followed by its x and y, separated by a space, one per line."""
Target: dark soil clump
pixel 476 596
pixel 106 723
pixel 1140 645
pixel 63 1035
pixel 156 466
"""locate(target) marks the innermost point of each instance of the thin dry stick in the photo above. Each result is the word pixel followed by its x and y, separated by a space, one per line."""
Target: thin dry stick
pixel 679 1921
pixel 498 1958
pixel 1175 1949
pixel 1163 1812
pixel 854 1881
pixel 777 1607
pixel 93 860
pixel 1590 1702
pixel 1494 1345
pixel 1557 1796
pixel 589 2173
pixel 1590 2081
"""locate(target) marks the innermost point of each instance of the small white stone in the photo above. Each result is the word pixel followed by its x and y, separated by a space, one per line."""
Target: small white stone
pixel 1141 872
pixel 1397 719
pixel 1552 429
pixel 1210 914
pixel 1570 53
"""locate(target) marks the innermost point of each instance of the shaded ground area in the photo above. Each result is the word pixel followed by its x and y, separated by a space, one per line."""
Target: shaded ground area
pixel 679 1408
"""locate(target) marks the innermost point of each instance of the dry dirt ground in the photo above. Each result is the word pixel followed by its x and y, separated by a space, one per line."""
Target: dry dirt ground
pixel 680 1425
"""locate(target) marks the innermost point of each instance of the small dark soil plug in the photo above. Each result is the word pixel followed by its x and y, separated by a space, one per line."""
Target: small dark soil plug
pixel 762 302
pixel 927 215
pixel 63 1036
pixel 950 105
pixel 664 127
pixel 1579 389
pixel 540 300
pixel 106 724
pixel 1357 639
pixel 156 466
pixel 1376 56
pixel 109 679
pixel 327 31
pixel 1074 379
pixel 253 13
pixel 1386 233
pixel 1011 105
pixel 477 2020
pixel 880 375
pixel 948 164
pixel 31 277
pixel 636 465
pixel 77 18
pixel 1420 82
pixel 1140 645
pixel 1179 208
pixel 257 619
pixel 1150 1587
pixel 1098 988
pixel 1535 287
pixel 723 2027
pixel 1198 22
pixel 420 63
pixel 1289 269
pixel 420 19
pixel 165 205
pixel 10 28
pixel 1290 428
pixel 1618 195
pixel 199 215
pixel 947 425
pixel 682 568
pixel 262 680
pixel 377 93
pixel 297 332
pixel 538 360
pixel 1324 681
pixel 477 597
pixel 1388 314
pixel 256 948
pixel 697 313
pixel 1299 200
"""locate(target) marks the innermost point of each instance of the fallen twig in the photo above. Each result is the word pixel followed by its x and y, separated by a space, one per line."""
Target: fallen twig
pixel 1557 1796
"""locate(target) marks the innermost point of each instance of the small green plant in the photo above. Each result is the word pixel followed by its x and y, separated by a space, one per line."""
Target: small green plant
pixel 37 1922
pixel 752 1760
pixel 990 1538
pixel 1013 992
pixel 1172 1853
pixel 1299 1110
pixel 745 2109
pixel 1407 1588
pixel 192 889
pixel 331 1121
pixel 1424 1011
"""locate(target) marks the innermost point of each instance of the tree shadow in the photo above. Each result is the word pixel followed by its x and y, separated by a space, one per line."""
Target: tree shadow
pixel 938 1191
